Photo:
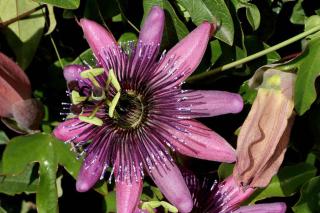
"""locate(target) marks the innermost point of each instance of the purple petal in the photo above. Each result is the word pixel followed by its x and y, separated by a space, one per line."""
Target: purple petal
pixel 237 194
pixel 263 208
pixel 98 37
pixel 185 56
pixel 90 172
pixel 204 103
pixel 151 32
pixel 173 186
pixel 73 129
pixel 201 142
pixel 128 195
pixel 128 191
pixel 72 72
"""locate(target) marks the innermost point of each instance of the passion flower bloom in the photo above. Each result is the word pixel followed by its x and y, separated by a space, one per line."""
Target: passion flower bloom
pixel 209 196
pixel 130 111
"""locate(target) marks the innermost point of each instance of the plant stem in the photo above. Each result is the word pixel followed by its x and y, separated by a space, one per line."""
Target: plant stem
pixel 21 16
pixel 253 56
pixel 126 19
pixel 56 51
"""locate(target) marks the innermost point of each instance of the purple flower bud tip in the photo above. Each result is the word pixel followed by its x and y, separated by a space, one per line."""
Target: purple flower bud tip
pixel 82 186
pixel 185 205
pixel 237 103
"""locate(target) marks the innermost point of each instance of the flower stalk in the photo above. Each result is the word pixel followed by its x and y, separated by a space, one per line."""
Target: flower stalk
pixel 254 56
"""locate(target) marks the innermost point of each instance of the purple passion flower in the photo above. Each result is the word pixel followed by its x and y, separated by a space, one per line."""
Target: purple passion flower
pixel 209 196
pixel 130 110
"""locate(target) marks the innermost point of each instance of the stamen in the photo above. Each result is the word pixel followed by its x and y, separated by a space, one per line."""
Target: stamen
pixel 91 118
pixel 91 74
pixel 114 81
pixel 113 104
pixel 76 98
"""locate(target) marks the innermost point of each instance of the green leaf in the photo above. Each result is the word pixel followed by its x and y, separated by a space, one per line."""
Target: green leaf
pixel 311 22
pixel 174 29
pixel 66 4
pixel 225 170
pixel 110 202
pixel 101 9
pixel 49 153
pixel 252 12
pixel 2 210
pixel 308 70
pixel 22 182
pixel 52 20
pixel 286 182
pixel 212 11
pixel 129 36
pixel 3 137
pixel 23 36
pixel 310 196
pixel 298 15
pixel 85 58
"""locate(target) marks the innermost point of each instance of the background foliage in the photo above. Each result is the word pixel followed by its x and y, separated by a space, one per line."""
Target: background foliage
pixel 37 171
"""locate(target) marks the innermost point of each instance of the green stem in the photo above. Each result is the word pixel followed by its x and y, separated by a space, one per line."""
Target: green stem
pixel 21 16
pixel 126 19
pixel 253 56
pixel 56 51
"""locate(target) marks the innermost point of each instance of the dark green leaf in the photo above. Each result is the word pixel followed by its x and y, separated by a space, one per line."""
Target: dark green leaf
pixel 174 29
pixel 49 152
pixel 216 51
pixel 101 9
pixel 3 137
pixel 125 37
pixel 310 196
pixel 52 20
pixel 66 4
pixel 308 70
pixel 85 58
pixel 24 35
pixel 225 170
pixel 311 22
pixel 286 182
pixel 252 12
pixel 298 15
pixel 212 11
pixel 2 210
pixel 110 202
pixel 22 182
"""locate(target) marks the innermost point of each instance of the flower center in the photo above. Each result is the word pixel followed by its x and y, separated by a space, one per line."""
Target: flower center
pixel 131 110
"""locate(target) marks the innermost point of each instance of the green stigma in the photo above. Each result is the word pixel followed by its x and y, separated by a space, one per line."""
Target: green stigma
pixel 98 94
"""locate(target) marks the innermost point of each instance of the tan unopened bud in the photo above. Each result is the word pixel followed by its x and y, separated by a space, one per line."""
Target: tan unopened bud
pixel 264 136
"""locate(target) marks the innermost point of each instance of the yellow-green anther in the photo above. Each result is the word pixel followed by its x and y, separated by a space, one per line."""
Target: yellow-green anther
pixel 91 74
pixel 91 120
pixel 113 80
pixel 113 104
pixel 167 206
pixel 76 98
pixel 149 206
